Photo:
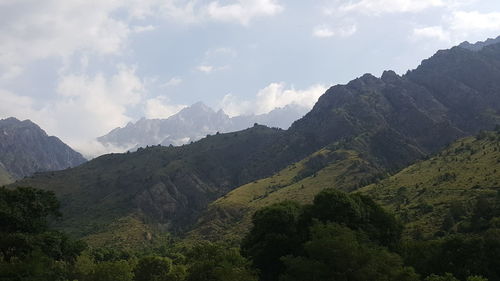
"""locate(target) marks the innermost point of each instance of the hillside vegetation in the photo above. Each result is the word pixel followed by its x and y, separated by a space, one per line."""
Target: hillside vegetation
pixel 448 185
pixel 443 193
pixel 163 187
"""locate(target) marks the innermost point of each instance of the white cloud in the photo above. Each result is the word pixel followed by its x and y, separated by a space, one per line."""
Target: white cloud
pixel 12 105
pixel 243 11
pixel 378 7
pixel 459 26
pixel 233 106
pixel 273 96
pixel 323 31
pixel 159 107
pixel 92 148
pixel 205 68
pixel 473 21
pixel 143 28
pixel 87 106
pixel 174 81
pixel 33 30
pixel 431 32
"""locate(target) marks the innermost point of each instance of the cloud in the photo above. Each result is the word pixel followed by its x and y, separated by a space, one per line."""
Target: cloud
pixel 378 7
pixel 37 30
pixel 12 105
pixel 159 107
pixel 174 81
pixel 207 69
pixel 431 32
pixel 461 25
pixel 90 106
pixel 474 21
pixel 143 28
pixel 86 106
pixel 243 11
pixel 323 31
pixel 273 96
pixel 34 30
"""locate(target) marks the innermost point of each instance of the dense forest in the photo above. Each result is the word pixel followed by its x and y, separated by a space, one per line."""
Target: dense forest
pixel 339 236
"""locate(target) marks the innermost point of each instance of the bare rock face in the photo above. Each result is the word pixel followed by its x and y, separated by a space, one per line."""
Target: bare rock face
pixel 26 149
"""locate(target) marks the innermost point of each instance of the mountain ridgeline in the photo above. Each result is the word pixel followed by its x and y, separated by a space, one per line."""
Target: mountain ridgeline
pixel 193 123
pixel 379 124
pixel 26 149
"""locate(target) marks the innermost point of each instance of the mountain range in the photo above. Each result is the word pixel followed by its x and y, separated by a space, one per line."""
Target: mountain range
pixel 355 135
pixel 26 149
pixel 193 123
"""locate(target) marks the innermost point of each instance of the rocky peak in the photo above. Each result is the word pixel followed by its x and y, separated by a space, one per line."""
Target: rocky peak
pixel 478 46
pixel 25 149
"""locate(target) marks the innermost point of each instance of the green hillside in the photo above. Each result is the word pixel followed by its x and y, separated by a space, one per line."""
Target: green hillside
pixel 441 194
pixel 422 195
pixel 228 218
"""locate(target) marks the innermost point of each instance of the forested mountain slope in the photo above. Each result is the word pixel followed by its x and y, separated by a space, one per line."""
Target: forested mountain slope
pixel 432 197
pixel 383 123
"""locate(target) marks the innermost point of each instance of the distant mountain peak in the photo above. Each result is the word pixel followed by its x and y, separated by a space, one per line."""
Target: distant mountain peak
pixel 200 106
pixel 193 123
pixel 478 46
pixel 25 149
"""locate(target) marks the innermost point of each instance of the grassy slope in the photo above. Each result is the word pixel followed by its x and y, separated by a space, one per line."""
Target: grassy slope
pixel 229 217
pixel 422 194
pixel 5 177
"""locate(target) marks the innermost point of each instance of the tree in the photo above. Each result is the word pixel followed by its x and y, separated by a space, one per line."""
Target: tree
pixel 26 209
pixel 212 262
pixel 336 252
pixel 284 230
pixel 29 250
pixel 153 269
pixel 445 277
pixel 112 271
pixel 357 212
pixel 274 235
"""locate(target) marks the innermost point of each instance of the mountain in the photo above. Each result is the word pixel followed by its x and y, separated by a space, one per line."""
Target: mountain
pixel 362 130
pixel 193 123
pixel 479 45
pixel 167 187
pixel 421 195
pixel 26 149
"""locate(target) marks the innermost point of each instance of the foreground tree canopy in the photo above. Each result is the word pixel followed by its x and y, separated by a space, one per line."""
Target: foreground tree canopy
pixel 344 236
pixel 339 236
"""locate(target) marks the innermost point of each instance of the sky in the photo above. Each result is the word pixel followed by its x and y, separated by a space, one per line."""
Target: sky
pixel 80 68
